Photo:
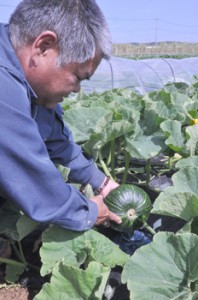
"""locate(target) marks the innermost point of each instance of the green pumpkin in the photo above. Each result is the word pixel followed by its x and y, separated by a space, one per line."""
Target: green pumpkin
pixel 132 204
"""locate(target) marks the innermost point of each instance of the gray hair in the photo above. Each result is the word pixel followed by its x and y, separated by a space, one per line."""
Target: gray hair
pixel 80 26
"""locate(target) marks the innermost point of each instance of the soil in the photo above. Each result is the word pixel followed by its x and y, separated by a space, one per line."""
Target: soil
pixel 14 293
pixel 20 291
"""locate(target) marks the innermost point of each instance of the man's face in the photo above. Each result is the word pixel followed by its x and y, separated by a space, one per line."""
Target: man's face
pixel 52 83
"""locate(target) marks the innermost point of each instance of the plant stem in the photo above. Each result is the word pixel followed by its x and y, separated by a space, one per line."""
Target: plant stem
pixel 21 257
pixel 12 262
pixel 112 158
pixel 148 171
pixel 127 160
pixel 170 163
pixel 119 143
pixel 105 169
pixel 21 253
pixel 34 267
pixel 109 158
pixel 192 286
pixel 149 228
pixel 18 253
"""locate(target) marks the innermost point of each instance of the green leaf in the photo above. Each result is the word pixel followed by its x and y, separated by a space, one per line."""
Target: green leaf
pixel 25 225
pixel 64 172
pixel 14 224
pixel 145 147
pixel 160 102
pixel 88 191
pixel 164 269
pixel 83 121
pixel 177 86
pixel 191 161
pixel 192 144
pixel 182 205
pixel 108 129
pixel 181 199
pixel 9 215
pixel 186 180
pixel 175 138
pixel 150 122
pixel 13 271
pixel 70 283
pixel 191 226
pixel 70 247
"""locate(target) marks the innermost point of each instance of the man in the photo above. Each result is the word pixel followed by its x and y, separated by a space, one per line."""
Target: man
pixel 46 50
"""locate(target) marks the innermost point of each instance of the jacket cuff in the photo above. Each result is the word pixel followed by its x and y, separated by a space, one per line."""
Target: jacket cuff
pixel 83 225
pixel 97 179
pixel 92 215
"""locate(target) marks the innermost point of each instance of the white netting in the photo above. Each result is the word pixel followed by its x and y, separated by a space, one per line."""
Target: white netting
pixel 141 75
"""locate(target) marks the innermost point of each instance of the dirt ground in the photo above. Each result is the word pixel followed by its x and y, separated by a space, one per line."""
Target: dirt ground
pixel 15 293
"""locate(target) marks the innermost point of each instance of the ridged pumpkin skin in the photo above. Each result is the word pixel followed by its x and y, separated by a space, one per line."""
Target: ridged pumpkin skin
pixel 132 204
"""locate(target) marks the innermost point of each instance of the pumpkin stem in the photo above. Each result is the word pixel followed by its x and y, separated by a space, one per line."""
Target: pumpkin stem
pixel 131 213
pixel 149 228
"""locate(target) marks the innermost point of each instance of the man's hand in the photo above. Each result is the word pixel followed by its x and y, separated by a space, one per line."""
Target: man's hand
pixel 104 214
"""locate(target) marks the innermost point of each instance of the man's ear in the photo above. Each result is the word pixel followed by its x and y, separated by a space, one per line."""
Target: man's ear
pixel 45 41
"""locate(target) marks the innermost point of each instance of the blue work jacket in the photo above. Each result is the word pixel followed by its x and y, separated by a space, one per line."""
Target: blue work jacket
pixel 32 140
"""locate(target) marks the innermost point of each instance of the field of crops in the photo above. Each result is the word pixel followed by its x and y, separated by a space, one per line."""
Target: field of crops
pixel 163 49
pixel 150 142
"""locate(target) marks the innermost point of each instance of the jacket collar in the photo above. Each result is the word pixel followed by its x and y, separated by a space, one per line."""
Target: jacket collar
pixel 9 60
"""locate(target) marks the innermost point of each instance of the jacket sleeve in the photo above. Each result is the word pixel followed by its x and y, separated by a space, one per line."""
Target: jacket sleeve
pixel 63 150
pixel 28 177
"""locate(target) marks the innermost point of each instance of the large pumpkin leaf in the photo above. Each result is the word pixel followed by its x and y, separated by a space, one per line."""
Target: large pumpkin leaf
pixel 148 139
pixel 76 248
pixel 150 122
pixel 145 147
pixel 181 199
pixel 70 283
pixel 165 269
pixel 107 129
pixel 186 180
pixel 191 161
pixel 168 105
pixel 160 102
pixel 172 129
pixel 182 205
pixel 82 121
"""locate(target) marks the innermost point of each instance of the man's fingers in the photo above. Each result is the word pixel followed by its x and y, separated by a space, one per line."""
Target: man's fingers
pixel 115 218
pixel 104 214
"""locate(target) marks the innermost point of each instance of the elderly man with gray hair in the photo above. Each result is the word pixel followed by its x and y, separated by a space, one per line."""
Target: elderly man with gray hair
pixel 46 50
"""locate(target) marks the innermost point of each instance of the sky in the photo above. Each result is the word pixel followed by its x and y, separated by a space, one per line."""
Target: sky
pixel 141 21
